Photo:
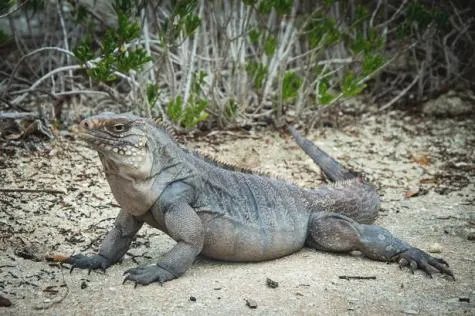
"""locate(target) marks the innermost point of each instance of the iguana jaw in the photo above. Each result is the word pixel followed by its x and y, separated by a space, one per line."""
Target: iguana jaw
pixel 121 143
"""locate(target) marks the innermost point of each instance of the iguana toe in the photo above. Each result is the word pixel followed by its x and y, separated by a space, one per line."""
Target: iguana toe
pixel 148 274
pixel 88 262
pixel 415 259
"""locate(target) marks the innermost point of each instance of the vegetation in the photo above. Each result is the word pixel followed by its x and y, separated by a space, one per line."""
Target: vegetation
pixel 231 61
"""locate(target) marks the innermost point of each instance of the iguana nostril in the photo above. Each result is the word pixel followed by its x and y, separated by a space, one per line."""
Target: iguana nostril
pixel 84 124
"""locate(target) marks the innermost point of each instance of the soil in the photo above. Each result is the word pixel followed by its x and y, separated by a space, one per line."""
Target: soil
pixel 423 167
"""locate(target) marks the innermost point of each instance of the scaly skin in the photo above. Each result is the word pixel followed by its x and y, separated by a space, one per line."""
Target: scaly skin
pixel 227 213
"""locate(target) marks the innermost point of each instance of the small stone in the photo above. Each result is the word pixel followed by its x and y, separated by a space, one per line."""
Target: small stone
pixel 464 299
pixel 471 236
pixel 410 312
pixel 435 248
pixel 251 303
pixel 83 285
pixel 5 302
pixel 271 283
pixel 192 298
pixel 449 104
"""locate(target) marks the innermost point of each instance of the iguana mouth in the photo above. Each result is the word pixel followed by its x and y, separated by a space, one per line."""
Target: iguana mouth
pixel 107 144
pixel 125 148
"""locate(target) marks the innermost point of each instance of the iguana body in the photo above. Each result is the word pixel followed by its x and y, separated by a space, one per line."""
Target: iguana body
pixel 221 213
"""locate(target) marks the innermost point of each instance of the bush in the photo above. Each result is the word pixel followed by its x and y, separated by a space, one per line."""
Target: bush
pixel 236 61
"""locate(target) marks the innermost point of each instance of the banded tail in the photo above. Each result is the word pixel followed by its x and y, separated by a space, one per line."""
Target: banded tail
pixel 332 169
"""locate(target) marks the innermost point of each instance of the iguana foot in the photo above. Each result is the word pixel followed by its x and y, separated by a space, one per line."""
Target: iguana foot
pixel 148 274
pixel 88 262
pixel 415 258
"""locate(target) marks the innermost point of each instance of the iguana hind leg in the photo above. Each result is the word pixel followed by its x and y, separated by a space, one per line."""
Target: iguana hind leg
pixel 335 232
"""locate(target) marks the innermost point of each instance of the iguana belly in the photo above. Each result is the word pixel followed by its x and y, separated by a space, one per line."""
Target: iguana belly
pixel 230 240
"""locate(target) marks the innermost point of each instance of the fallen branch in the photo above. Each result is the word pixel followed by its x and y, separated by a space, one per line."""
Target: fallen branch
pixel 356 277
pixel 51 191
pixel 18 116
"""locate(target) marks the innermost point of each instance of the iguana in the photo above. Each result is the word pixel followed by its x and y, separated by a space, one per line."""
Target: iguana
pixel 212 209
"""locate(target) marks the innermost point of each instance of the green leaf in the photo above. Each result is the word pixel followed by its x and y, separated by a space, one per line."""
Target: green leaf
pixel 329 2
pixel 291 85
pixel 270 45
pixel 184 7
pixel 197 81
pixel 320 28
pixel 283 6
pixel 83 51
pixel 323 94
pixel 372 62
pixel 231 109
pixel 249 2
pixel 174 109
pixel 153 92
pixel 254 36
pixel 258 72
pixel 195 113
pixel 192 22
pixel 351 86
pixel 265 6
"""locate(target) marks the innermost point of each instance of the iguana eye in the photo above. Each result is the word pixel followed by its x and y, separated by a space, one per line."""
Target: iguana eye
pixel 117 128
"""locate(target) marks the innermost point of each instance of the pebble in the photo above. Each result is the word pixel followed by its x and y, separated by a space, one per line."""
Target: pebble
pixel 272 284
pixel 251 303
pixel 435 248
pixel 5 302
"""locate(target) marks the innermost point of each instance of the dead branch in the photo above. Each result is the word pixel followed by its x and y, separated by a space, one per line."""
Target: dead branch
pixel 356 277
pixel 15 190
pixel 18 116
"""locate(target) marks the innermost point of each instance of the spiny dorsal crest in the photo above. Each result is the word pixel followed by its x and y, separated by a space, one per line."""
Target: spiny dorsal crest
pixel 161 123
pixel 229 166
pixel 340 184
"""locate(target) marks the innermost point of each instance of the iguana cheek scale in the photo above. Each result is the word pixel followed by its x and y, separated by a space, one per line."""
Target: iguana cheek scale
pixel 226 212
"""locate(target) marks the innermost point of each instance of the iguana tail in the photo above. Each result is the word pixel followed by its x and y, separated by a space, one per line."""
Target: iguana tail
pixel 332 169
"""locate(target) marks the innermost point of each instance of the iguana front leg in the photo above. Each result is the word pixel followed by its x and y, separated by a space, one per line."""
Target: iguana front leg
pixel 113 248
pixel 184 226
pixel 336 232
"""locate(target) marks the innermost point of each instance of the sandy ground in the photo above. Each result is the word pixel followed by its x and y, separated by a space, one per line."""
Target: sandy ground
pixel 424 169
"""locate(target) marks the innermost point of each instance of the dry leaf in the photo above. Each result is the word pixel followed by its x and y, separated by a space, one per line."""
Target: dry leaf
pixel 413 191
pixel 428 181
pixel 421 158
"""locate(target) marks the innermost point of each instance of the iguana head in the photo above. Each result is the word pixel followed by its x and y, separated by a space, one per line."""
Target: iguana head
pixel 125 142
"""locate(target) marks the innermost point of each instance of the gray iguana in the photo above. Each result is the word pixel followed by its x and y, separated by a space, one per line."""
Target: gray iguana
pixel 221 212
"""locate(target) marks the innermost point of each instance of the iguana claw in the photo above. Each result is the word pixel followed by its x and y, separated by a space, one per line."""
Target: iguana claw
pixel 415 258
pixel 148 274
